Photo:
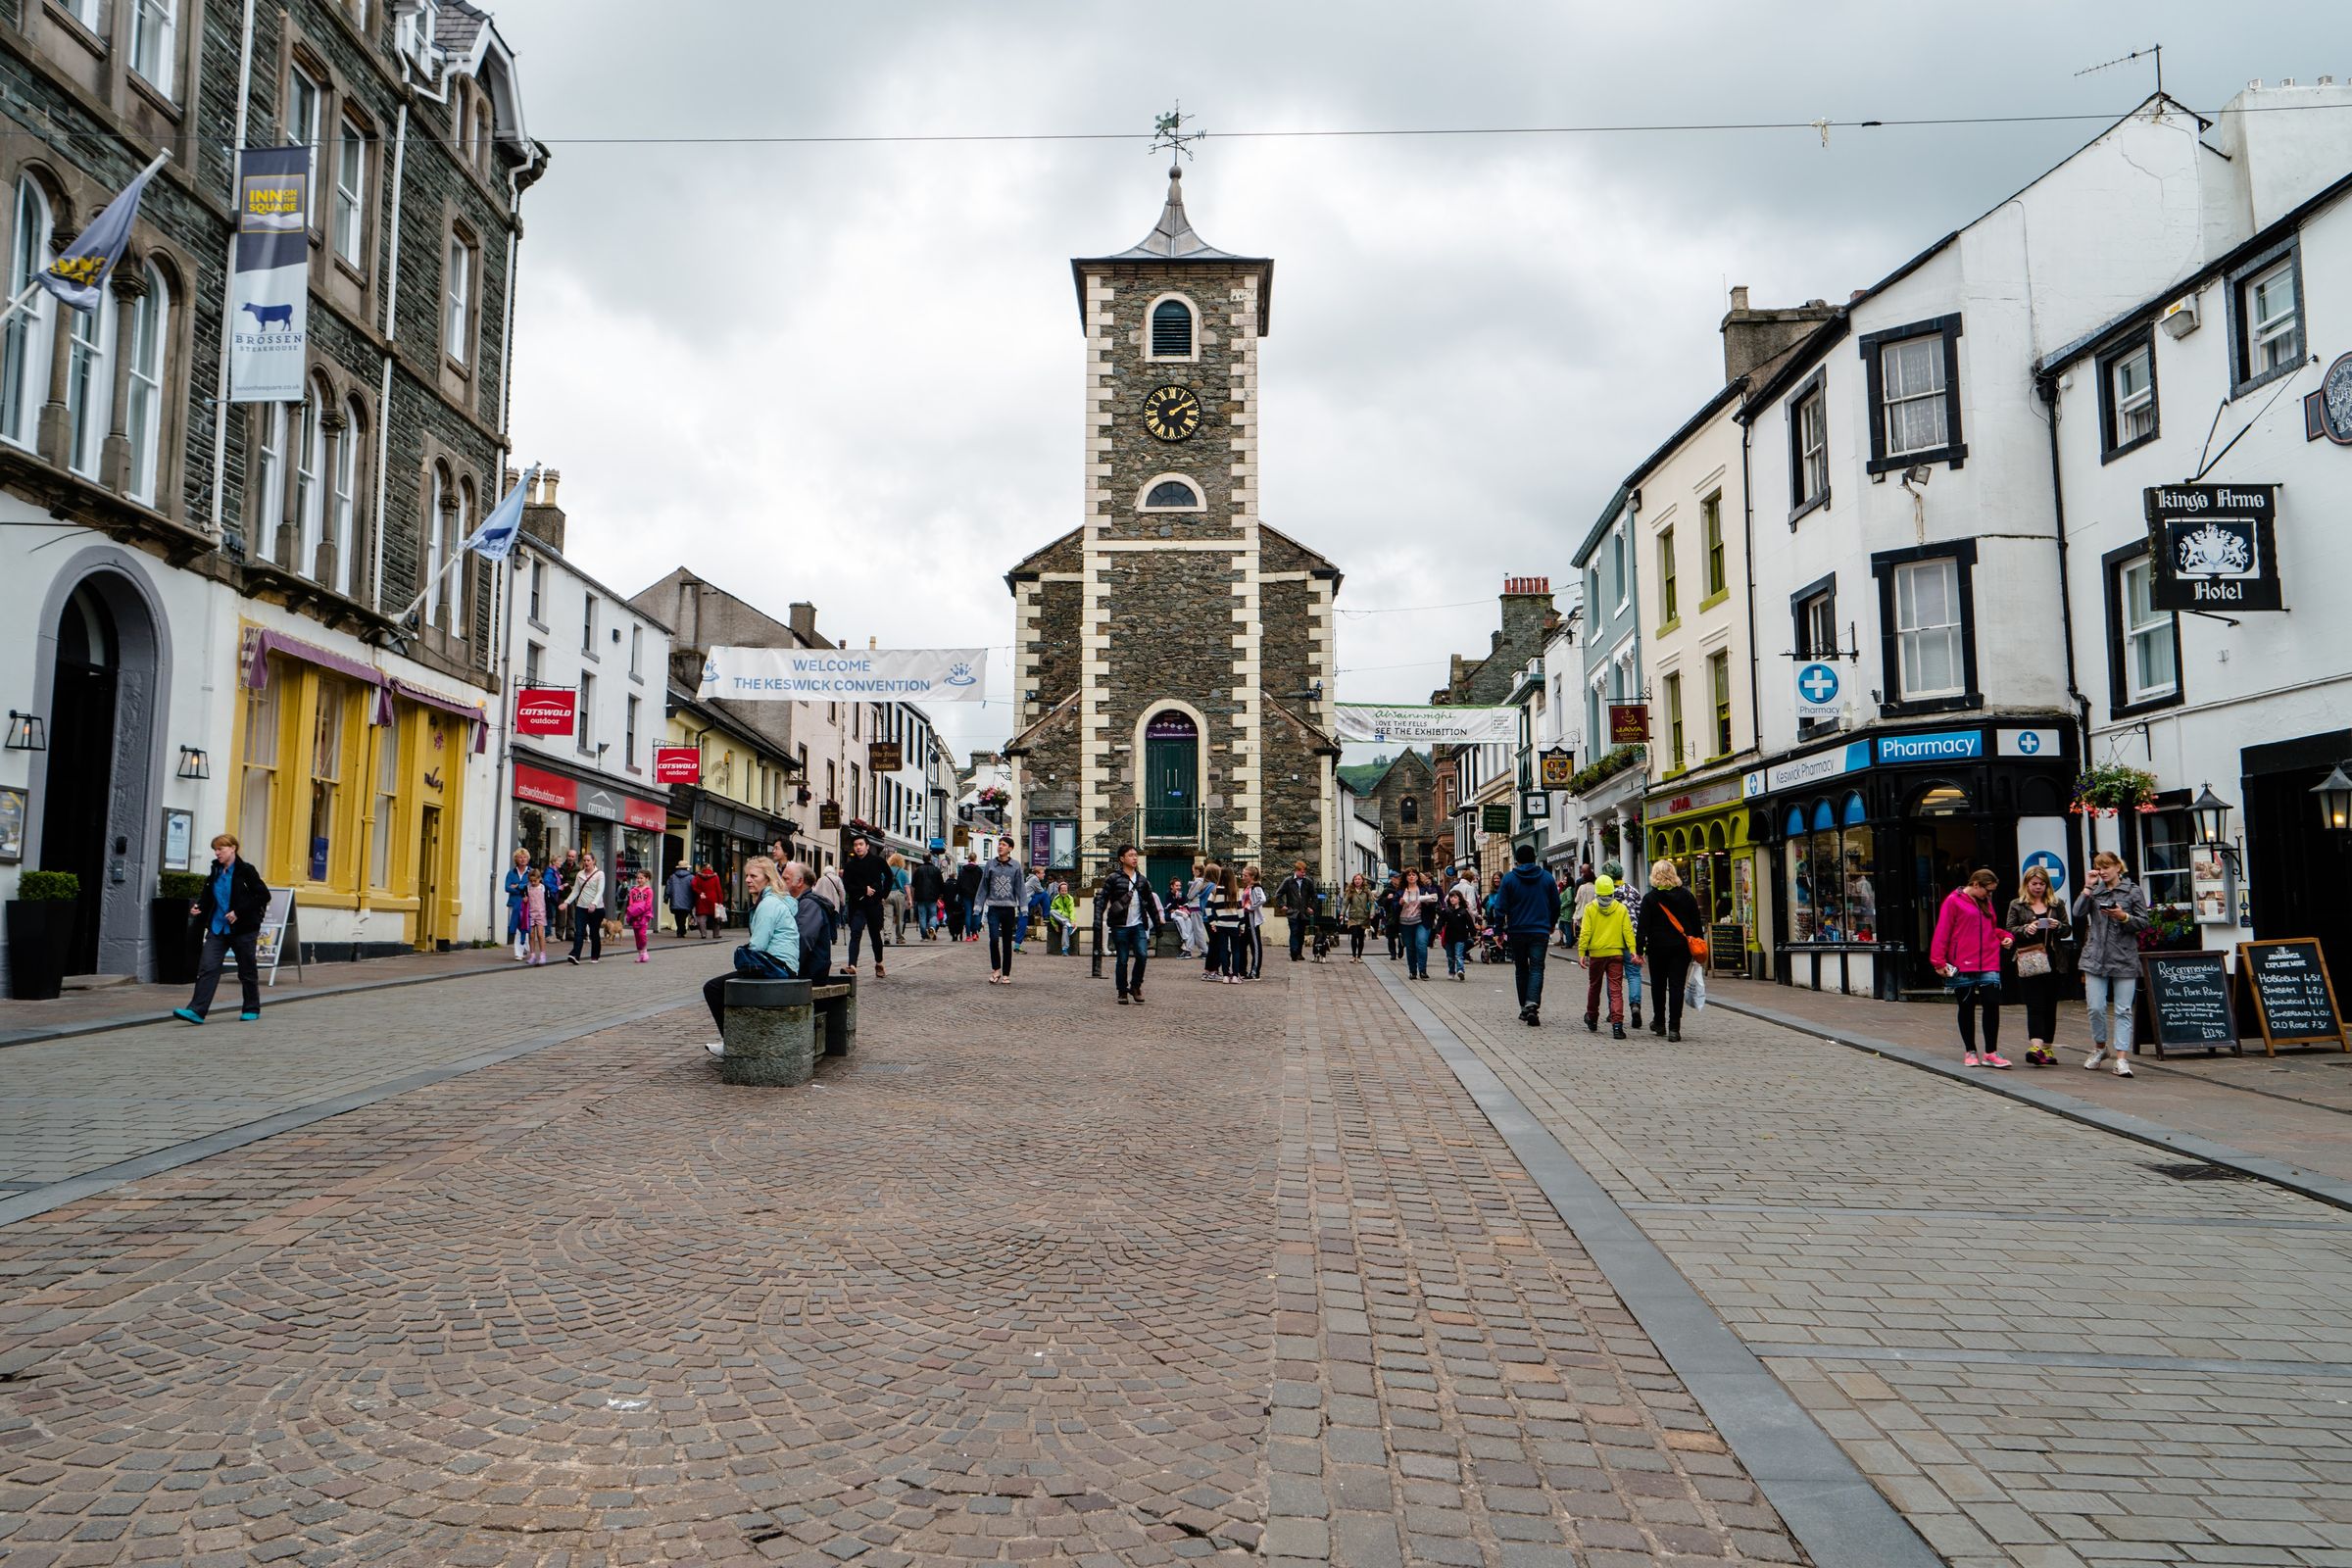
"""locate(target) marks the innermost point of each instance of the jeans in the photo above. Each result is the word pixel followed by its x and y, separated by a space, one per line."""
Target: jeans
pixel 2100 990
pixel 866 919
pixel 979 917
pixel 1130 941
pixel 1633 984
pixel 1001 924
pixel 1457 956
pixel 926 915
pixel 1298 924
pixel 1527 966
pixel 588 925
pixel 219 946
pixel 1416 950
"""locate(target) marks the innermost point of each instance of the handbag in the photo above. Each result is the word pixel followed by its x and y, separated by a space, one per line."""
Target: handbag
pixel 2032 963
pixel 1698 945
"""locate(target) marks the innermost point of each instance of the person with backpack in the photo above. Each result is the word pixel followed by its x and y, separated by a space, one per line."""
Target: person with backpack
pixel 772 950
pixel 1669 919
pixel 1525 908
pixel 927 887
pixel 964 900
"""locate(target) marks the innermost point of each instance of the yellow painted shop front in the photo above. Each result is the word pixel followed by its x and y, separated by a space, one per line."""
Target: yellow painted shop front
pixel 348 789
pixel 1704 830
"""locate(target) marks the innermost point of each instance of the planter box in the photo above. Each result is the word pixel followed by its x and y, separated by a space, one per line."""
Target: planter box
pixel 40 943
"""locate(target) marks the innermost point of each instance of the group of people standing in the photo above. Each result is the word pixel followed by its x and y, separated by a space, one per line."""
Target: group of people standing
pixel 571 894
pixel 2044 940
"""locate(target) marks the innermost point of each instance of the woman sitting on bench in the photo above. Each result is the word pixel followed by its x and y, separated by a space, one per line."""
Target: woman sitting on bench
pixel 772 953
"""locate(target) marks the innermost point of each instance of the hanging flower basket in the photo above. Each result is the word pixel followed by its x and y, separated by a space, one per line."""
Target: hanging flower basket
pixel 2106 791
pixel 994 795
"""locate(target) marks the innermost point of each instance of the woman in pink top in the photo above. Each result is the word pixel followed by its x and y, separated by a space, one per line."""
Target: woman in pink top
pixel 1967 953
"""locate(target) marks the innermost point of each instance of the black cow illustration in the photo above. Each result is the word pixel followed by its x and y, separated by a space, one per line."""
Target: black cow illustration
pixel 264 314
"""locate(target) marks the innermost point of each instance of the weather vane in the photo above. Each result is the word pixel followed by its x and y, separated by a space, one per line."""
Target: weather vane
pixel 1167 131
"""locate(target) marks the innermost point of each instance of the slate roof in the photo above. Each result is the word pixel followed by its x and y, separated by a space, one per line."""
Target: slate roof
pixel 1174 239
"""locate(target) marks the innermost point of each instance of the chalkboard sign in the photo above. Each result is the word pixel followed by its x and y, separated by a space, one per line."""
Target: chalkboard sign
pixel 2188 1001
pixel 2294 1001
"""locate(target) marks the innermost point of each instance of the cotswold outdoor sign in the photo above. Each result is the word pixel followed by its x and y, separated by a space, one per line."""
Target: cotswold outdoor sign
pixel 2213 545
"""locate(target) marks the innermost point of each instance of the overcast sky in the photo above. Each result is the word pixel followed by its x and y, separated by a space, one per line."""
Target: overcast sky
pixel 851 373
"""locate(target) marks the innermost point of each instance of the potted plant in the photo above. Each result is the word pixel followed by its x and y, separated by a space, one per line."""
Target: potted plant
pixel 2107 790
pixel 42 919
pixel 177 939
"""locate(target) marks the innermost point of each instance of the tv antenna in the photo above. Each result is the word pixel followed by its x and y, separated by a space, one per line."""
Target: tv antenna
pixel 2153 51
pixel 1167 131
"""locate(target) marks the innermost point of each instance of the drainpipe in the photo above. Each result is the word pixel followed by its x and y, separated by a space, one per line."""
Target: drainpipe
pixel 1747 543
pixel 228 283
pixel 2081 703
pixel 383 401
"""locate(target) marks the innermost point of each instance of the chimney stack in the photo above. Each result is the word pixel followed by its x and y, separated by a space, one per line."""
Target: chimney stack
pixel 542 519
pixel 801 619
pixel 1751 337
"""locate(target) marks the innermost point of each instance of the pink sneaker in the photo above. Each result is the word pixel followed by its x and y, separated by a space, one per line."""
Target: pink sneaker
pixel 1993 1058
pixel 1968 1059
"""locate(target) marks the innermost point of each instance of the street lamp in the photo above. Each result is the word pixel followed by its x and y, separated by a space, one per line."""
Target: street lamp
pixel 2336 799
pixel 2212 814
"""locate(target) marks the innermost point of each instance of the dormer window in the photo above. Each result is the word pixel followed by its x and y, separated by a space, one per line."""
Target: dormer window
pixel 1171 493
pixel 1172 330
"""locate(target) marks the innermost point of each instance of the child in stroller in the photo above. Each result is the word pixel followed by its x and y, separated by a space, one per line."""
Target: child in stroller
pixel 1492 946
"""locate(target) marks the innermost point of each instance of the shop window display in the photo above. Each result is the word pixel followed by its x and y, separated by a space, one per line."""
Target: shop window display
pixel 1830 856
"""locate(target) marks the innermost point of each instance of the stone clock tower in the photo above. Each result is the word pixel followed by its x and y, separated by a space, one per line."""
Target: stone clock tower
pixel 1173 656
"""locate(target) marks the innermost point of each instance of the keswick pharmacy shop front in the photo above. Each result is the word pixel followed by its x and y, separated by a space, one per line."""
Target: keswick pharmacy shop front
pixel 1863 839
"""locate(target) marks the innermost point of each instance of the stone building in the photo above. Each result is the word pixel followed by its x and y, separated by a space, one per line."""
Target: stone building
pixel 1477 776
pixel 1403 793
pixel 1174 658
pixel 208 601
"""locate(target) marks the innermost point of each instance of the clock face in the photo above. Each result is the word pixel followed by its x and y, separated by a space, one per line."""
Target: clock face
pixel 1172 413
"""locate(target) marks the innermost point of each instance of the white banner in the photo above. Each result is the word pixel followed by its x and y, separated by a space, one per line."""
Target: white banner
pixel 1393 725
pixel 269 277
pixel 846 674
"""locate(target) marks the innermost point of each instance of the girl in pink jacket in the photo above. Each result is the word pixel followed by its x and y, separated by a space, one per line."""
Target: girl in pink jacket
pixel 1967 953
pixel 639 912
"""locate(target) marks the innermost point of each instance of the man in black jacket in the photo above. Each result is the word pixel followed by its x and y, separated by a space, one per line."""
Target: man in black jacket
pixel 865 876
pixel 1296 897
pixel 1130 913
pixel 233 906
pixel 925 885
pixel 966 909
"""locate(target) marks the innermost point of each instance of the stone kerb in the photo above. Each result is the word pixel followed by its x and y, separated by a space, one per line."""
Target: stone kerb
pixel 770 1033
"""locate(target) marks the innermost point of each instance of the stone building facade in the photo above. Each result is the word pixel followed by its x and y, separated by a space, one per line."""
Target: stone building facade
pixel 1403 794
pixel 1173 654
pixel 209 600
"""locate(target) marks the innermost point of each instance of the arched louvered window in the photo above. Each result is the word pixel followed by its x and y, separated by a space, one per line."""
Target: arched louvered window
pixel 1171 330
pixel 1172 495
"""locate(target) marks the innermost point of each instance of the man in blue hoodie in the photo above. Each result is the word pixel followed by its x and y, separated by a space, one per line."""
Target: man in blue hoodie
pixel 1531 907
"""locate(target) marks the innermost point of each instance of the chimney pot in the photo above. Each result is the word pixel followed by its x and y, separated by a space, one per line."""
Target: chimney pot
pixel 513 479
pixel 546 486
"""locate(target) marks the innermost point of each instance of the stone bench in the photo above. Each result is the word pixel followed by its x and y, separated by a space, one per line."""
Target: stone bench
pixel 835 999
pixel 770 1032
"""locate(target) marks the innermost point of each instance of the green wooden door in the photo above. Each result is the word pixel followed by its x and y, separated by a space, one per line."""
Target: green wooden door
pixel 1171 778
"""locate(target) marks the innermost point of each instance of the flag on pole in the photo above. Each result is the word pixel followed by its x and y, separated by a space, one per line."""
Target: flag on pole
pixel 495 538
pixel 78 278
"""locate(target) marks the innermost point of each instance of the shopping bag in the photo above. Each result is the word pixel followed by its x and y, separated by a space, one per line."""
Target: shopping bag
pixel 1694 991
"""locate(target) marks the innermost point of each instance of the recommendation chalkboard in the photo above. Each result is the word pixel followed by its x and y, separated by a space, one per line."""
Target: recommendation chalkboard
pixel 2188 1001
pixel 2294 1001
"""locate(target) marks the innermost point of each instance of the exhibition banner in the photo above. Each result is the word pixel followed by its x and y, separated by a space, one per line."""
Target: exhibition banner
pixel 269 277
pixel 845 674
pixel 1392 724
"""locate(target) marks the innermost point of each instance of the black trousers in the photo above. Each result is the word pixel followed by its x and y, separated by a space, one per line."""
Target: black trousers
pixel 866 919
pixel 1002 923
pixel 587 925
pixel 1986 1000
pixel 1669 972
pixel 714 995
pixel 2041 1007
pixel 1356 942
pixel 217 947
pixel 1255 952
pixel 1297 937
pixel 682 916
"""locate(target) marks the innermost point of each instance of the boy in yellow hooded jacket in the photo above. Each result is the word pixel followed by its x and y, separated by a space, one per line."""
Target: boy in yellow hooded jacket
pixel 1605 941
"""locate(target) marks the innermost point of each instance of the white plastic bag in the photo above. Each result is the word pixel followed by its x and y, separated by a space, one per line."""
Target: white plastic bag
pixel 1694 991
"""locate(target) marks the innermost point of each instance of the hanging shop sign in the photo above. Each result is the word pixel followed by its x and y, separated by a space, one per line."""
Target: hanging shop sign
pixel 1819 689
pixel 1494 819
pixel 545 711
pixel 885 756
pixel 1535 806
pixel 677 764
pixel 828 818
pixel 1395 724
pixel 1557 768
pixel 845 674
pixel 1629 723
pixel 269 277
pixel 2212 545
pixel 2328 411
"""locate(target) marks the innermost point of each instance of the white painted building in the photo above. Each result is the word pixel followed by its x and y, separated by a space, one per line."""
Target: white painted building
pixel 2252 704
pixel 582 779
pixel 1905 526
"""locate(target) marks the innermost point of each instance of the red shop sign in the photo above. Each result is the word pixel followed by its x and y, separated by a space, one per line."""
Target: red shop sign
pixel 677 764
pixel 642 814
pixel 548 789
pixel 544 710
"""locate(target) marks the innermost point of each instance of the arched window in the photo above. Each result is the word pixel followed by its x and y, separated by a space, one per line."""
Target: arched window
pixel 266 477
pixel 1408 810
pixel 150 344
pixel 347 490
pixel 438 499
pixel 25 347
pixel 1172 495
pixel 1171 330
pixel 309 498
pixel 89 382
pixel 481 132
pixel 461 587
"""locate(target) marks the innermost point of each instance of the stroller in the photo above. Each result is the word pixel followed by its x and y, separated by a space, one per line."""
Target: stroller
pixel 1491 947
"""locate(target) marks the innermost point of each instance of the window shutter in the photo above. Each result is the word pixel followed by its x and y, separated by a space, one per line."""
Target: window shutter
pixel 1171 330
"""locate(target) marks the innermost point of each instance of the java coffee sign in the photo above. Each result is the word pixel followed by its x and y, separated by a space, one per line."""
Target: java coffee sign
pixel 2212 545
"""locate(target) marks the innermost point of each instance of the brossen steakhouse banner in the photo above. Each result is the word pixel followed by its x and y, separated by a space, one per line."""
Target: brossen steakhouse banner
pixel 845 674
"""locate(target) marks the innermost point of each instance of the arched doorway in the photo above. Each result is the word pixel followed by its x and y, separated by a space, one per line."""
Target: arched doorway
pixel 1171 776
pixel 98 780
